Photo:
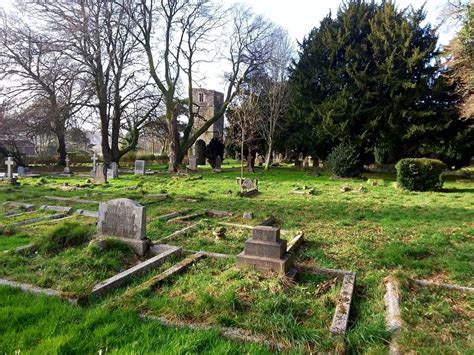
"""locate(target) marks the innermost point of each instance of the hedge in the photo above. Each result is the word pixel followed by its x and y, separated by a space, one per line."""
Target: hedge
pixel 420 174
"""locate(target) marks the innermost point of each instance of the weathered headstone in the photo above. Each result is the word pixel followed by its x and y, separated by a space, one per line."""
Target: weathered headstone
pixel 248 186
pixel 172 161
pixel 192 163
pixel 280 157
pixel 67 169
pixel 265 251
pixel 306 163
pixel 94 164
pixel 125 220
pixel 21 171
pixel 139 167
pixel 301 157
pixel 100 174
pixel 310 162
pixel 113 172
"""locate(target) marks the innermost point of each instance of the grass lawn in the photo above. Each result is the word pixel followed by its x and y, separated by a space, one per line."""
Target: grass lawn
pixel 373 233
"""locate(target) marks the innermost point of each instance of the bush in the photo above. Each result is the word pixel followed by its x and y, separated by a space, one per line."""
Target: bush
pixel 344 161
pixel 64 235
pixel 146 157
pixel 80 157
pixel 420 174
pixel 42 160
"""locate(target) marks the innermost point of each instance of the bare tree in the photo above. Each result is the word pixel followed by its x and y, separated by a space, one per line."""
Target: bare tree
pixel 274 90
pixel 40 73
pixel 100 37
pixel 243 117
pixel 185 30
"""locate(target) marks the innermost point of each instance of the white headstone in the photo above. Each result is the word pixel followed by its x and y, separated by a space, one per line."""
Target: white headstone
pixel 94 164
pixel 113 172
pixel 139 167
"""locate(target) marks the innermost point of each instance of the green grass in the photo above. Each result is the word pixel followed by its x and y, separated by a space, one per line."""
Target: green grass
pixel 384 230
pixel 443 320
pixel 41 325
pixel 215 292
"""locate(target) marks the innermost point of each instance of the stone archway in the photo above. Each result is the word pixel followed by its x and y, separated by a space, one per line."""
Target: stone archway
pixel 200 151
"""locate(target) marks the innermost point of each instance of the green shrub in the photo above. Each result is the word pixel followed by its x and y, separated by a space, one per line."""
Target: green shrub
pixel 129 157
pixel 345 161
pixel 64 235
pixel 420 174
pixel 146 157
pixel 80 157
pixel 42 160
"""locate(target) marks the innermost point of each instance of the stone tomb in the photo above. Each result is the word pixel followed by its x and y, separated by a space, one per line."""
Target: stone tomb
pixel 125 220
pixel 266 251
pixel 139 167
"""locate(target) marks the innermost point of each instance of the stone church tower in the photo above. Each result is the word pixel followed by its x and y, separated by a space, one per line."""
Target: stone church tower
pixel 207 103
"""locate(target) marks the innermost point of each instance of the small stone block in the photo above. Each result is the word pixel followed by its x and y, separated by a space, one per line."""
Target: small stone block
pixel 266 233
pixel 266 264
pixel 265 249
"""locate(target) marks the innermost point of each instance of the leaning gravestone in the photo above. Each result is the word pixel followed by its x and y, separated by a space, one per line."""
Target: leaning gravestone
pixel 265 251
pixel 100 174
pixel 124 220
pixel 139 167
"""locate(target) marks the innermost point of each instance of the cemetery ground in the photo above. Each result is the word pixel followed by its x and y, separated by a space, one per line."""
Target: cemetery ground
pixel 374 231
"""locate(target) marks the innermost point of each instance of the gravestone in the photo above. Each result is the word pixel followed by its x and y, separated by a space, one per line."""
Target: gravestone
pixel 310 162
pixel 113 172
pixel 280 157
pixel 265 251
pixel 100 174
pixel 9 163
pixel 124 220
pixel 21 171
pixel 301 157
pixel 94 164
pixel 306 163
pixel 171 162
pixel 248 186
pixel 192 163
pixel 139 167
pixel 67 169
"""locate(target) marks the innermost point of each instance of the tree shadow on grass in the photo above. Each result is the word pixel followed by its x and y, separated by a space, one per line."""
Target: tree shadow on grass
pixel 455 190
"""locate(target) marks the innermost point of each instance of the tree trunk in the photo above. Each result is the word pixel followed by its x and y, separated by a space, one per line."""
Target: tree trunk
pixel 61 147
pixel 268 157
pixel 174 141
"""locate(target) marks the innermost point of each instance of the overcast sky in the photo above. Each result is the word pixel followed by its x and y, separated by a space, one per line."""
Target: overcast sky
pixel 300 16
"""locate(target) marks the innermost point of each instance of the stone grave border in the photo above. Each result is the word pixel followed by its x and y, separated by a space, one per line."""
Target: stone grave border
pixel 63 212
pixel 37 290
pixel 163 251
pixel 70 199
pixel 21 207
pixel 393 318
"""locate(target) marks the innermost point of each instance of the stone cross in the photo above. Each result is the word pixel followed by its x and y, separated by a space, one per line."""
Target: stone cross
pixel 67 170
pixel 9 163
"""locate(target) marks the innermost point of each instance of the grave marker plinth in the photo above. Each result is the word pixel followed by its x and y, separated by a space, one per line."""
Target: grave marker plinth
pixel 266 251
